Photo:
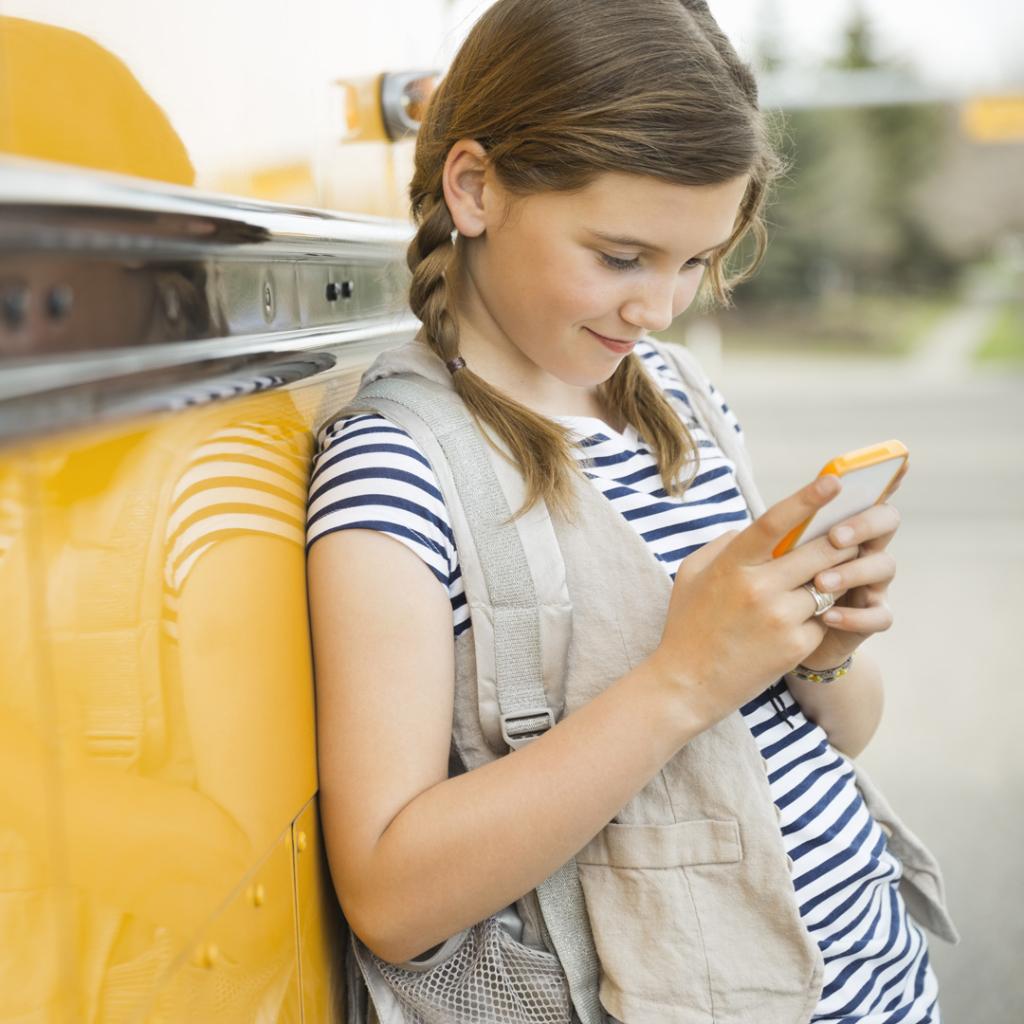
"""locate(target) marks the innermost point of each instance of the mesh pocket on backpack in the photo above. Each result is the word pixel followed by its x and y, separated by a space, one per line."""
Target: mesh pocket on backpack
pixel 490 978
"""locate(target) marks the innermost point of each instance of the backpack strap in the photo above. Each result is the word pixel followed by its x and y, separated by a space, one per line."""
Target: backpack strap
pixel 525 711
pixel 512 569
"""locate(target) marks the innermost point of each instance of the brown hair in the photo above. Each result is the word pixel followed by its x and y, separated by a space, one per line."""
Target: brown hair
pixel 557 93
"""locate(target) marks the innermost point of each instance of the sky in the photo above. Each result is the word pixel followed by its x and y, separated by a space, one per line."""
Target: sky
pixel 250 82
pixel 975 44
pixel 970 42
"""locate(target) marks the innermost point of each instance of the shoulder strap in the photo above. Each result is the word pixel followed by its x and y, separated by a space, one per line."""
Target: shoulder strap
pixel 497 571
pixel 518 663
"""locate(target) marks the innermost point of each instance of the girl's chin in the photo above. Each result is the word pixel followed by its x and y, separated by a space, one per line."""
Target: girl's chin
pixel 592 376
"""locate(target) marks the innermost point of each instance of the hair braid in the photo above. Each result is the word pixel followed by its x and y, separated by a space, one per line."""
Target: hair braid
pixel 539 446
pixel 430 255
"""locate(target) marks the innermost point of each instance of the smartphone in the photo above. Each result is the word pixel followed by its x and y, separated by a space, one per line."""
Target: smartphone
pixel 869 476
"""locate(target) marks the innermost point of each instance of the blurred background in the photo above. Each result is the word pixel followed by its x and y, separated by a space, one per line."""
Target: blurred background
pixel 904 132
pixel 890 304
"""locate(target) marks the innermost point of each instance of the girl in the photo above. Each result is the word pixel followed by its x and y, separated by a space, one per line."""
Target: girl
pixel 584 169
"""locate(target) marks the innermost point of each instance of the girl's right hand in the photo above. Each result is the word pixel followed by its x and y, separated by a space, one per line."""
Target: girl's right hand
pixel 738 618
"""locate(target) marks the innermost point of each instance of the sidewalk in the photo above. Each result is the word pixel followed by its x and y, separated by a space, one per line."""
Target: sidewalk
pixel 945 352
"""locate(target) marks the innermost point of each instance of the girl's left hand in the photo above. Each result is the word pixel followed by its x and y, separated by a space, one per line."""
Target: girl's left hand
pixel 860 585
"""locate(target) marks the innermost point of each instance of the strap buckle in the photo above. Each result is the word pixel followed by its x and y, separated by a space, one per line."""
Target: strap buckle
pixel 524 726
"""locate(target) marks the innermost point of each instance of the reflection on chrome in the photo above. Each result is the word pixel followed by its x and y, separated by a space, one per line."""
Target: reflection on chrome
pixel 103 265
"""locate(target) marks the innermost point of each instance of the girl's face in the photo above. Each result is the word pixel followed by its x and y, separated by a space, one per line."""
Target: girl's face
pixel 545 294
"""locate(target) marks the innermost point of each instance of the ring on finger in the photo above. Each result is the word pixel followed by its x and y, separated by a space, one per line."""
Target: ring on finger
pixel 822 602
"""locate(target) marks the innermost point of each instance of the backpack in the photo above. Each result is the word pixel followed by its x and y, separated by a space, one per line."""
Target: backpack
pixel 484 973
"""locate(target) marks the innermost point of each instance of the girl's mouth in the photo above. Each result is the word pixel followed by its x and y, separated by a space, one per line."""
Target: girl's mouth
pixel 621 347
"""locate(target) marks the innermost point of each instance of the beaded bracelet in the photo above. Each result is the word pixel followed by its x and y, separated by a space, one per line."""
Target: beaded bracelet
pixel 822 675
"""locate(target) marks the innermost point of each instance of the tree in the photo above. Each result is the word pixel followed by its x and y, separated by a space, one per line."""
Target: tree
pixel 858 48
pixel 769 53
pixel 846 217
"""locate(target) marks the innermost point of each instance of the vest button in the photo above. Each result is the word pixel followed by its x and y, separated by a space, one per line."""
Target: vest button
pixel 789 861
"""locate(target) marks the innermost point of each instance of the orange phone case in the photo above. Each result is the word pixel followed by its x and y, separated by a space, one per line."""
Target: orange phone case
pixel 859 459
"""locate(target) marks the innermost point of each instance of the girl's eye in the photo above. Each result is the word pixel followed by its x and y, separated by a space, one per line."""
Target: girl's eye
pixel 616 263
pixel 619 264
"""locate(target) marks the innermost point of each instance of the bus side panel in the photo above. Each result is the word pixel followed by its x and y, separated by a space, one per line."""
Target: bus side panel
pixel 157 712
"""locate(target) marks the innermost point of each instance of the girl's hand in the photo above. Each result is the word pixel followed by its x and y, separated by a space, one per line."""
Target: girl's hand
pixel 861 585
pixel 738 618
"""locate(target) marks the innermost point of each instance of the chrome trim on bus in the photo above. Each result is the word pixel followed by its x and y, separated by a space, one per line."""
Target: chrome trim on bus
pixel 89 262
pixel 28 378
pixel 39 183
pixel 107 280
pixel 141 386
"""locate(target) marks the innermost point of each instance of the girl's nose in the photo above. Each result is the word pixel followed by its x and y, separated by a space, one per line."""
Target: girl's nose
pixel 655 307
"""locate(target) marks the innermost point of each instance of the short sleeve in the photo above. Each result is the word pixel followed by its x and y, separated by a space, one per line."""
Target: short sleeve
pixel 369 474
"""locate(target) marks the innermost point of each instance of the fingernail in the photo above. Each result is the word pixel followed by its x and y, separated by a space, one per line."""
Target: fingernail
pixel 842 534
pixel 832 616
pixel 830 580
pixel 828 485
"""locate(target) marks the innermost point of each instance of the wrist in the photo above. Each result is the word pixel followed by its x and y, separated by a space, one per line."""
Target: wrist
pixel 821 674
pixel 689 701
pixel 849 711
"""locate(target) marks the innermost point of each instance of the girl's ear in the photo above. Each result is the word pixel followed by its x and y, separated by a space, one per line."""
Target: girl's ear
pixel 463 180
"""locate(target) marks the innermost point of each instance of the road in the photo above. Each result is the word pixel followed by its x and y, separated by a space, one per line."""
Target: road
pixel 949 752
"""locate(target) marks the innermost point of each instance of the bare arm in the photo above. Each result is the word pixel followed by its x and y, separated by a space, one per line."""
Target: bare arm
pixel 849 709
pixel 399 833
pixel 415 857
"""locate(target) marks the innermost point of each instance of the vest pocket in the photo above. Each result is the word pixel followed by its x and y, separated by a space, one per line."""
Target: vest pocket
pixel 645 918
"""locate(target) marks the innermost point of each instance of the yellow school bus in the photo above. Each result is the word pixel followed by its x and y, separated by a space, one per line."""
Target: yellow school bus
pixel 194 272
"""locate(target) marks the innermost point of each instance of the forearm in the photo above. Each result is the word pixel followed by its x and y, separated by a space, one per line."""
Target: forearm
pixel 475 843
pixel 848 709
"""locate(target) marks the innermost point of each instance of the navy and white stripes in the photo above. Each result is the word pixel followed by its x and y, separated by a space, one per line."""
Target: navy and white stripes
pixel 845 879
pixel 369 474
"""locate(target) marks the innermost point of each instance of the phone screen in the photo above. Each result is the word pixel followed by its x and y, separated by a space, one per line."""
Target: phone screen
pixel 862 488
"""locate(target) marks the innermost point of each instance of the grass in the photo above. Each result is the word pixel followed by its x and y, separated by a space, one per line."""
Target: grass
pixel 1005 341
pixel 848 325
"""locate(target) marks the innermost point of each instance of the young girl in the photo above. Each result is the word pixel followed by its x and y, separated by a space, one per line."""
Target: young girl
pixel 584 169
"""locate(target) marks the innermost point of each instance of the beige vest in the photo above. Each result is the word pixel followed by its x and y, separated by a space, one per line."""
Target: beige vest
pixel 688 889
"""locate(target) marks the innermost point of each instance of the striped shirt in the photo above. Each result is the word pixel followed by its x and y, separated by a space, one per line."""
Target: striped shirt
pixel 369 474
